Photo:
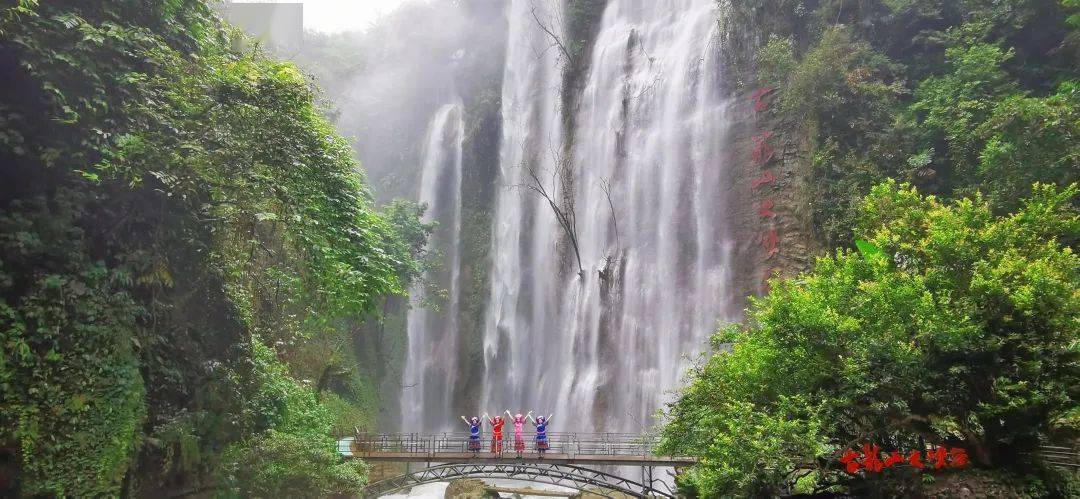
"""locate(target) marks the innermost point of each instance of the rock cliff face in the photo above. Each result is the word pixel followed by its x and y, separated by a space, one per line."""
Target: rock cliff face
pixel 771 160
pixel 775 162
pixel 481 83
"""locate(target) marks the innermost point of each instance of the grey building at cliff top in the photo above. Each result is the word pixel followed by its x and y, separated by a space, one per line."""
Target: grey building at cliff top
pixel 277 24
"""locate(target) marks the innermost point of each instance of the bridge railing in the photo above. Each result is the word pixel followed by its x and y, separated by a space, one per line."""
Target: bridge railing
pixel 1067 458
pixel 614 444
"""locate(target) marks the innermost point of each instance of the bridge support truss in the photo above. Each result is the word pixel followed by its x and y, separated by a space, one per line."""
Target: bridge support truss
pixel 564 475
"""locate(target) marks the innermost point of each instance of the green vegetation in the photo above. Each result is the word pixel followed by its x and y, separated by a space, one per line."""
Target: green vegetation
pixel 187 247
pixel 955 97
pixel 582 21
pixel 949 326
pixel 296 456
pixel 956 320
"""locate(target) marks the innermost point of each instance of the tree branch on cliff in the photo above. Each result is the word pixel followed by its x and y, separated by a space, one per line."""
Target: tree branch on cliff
pixel 605 185
pixel 555 39
pixel 564 210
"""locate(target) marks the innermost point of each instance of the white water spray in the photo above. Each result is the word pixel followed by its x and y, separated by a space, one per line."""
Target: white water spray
pixel 431 367
pixel 602 349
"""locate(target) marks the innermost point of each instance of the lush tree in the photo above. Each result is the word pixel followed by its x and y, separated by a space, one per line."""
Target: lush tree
pixel 955 97
pixel 949 326
pixel 171 206
pixel 1029 139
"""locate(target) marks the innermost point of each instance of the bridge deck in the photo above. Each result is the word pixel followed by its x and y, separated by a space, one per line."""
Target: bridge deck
pixel 528 457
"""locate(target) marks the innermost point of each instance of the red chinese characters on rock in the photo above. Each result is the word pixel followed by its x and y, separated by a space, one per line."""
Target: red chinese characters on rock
pixel 759 98
pixel 958 457
pixel 850 460
pixel 872 458
pixel 893 459
pixel 915 459
pixel 766 209
pixel 869 460
pixel 939 457
pixel 770 241
pixel 762 152
pixel 765 178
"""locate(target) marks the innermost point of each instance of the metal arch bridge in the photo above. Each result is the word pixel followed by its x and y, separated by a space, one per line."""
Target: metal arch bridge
pixel 570 460
pixel 574 477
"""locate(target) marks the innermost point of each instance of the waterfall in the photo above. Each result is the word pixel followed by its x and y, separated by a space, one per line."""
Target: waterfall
pixel 523 306
pixel 431 363
pixel 601 349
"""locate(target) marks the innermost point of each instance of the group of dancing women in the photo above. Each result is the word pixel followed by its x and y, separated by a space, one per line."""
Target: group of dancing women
pixel 475 432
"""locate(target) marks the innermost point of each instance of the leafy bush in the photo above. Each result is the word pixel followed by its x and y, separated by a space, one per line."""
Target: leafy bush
pixel 287 465
pixel 295 456
pixel 776 60
pixel 949 326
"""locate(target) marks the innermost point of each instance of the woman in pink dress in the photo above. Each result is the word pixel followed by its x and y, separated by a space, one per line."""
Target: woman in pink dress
pixel 519 425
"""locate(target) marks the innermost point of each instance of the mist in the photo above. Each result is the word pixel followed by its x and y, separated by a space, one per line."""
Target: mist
pixel 383 84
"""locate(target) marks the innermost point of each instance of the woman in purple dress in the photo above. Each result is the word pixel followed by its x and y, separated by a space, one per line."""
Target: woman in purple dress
pixel 541 432
pixel 474 432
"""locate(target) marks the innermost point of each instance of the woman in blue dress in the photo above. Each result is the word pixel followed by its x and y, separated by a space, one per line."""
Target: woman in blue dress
pixel 541 432
pixel 474 433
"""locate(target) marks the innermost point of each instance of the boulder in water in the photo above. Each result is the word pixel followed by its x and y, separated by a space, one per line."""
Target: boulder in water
pixel 468 488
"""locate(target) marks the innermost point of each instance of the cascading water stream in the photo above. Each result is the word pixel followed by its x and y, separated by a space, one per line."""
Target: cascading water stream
pixel 431 364
pixel 602 348
pixel 522 308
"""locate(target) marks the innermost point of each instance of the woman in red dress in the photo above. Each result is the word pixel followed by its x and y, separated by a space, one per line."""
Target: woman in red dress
pixel 496 433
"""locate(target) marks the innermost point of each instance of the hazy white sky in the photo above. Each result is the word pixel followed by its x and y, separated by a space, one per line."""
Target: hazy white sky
pixel 332 16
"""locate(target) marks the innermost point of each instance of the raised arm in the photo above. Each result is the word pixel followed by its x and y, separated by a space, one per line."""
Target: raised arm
pixel 511 416
pixel 529 415
pixel 489 418
pixel 466 421
pixel 549 418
